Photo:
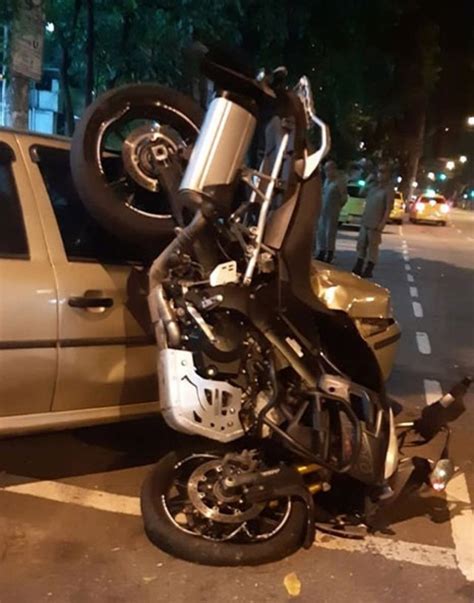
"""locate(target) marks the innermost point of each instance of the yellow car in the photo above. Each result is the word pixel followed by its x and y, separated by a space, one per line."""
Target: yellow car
pixel 352 211
pixel 430 208
pixel 398 210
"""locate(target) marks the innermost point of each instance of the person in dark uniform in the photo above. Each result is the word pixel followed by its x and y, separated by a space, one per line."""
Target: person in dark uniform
pixel 378 205
pixel 333 198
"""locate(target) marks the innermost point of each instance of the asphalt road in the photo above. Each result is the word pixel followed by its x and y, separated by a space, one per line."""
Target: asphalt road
pixel 70 529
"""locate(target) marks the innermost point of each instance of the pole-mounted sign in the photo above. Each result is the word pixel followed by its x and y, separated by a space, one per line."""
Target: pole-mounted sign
pixel 27 38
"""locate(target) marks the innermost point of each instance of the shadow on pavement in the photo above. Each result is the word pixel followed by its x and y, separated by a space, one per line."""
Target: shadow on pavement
pixel 88 450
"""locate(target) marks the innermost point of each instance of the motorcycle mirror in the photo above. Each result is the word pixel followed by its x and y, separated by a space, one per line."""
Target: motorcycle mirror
pixel 446 410
pixel 443 471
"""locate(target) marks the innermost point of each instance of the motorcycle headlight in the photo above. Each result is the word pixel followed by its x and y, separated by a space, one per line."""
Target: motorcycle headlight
pixel 372 326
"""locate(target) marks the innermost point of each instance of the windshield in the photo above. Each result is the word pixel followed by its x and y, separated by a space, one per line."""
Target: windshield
pixel 354 190
pixel 432 201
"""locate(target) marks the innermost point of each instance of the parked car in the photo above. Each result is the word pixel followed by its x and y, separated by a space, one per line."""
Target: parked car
pixel 76 345
pixel 430 208
pixel 352 211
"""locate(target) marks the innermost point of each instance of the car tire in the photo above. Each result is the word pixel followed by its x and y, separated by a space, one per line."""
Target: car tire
pixel 100 199
pixel 164 534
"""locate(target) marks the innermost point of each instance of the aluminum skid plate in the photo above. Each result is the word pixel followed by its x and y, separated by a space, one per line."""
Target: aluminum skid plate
pixel 194 405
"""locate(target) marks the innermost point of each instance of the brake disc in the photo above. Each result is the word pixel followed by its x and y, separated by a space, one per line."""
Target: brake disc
pixel 208 497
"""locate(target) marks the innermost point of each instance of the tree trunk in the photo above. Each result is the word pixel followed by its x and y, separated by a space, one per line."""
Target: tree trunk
pixel 17 105
pixel 415 150
pixel 89 91
pixel 66 88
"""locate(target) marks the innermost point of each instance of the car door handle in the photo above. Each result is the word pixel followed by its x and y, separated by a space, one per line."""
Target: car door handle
pixel 90 302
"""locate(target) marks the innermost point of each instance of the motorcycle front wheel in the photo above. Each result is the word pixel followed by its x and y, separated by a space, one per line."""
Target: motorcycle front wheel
pixel 186 515
pixel 123 142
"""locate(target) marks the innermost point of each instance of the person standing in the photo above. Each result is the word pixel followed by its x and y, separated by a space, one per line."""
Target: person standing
pixel 378 205
pixel 334 197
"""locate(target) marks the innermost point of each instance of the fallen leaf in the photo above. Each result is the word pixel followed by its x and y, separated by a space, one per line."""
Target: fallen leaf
pixel 148 579
pixel 292 584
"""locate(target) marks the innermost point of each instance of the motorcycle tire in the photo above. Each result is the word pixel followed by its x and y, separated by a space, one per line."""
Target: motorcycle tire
pixel 164 534
pixel 92 186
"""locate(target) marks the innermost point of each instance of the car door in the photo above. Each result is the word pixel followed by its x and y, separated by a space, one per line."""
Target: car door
pixel 28 298
pixel 106 349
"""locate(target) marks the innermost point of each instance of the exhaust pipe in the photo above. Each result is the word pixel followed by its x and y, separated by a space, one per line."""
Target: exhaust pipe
pixel 162 314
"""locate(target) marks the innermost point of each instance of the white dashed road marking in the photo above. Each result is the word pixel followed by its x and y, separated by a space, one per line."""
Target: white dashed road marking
pixel 433 391
pixel 394 550
pixel 423 342
pixel 407 267
pixel 417 309
pixel 413 291
pixel 410 278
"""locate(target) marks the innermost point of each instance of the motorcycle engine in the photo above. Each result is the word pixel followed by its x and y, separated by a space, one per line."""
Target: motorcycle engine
pixel 215 383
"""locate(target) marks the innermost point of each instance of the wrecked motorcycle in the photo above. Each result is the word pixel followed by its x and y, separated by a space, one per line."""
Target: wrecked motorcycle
pixel 297 431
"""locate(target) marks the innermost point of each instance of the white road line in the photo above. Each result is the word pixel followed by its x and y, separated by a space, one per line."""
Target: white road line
pixel 433 391
pixel 410 278
pixel 423 342
pixel 66 493
pixel 460 506
pixel 414 291
pixel 417 309
pixel 407 267
pixel 395 550
pixel 462 524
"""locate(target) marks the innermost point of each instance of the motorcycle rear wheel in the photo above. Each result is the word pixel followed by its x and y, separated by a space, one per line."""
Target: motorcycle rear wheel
pixel 167 535
pixel 101 172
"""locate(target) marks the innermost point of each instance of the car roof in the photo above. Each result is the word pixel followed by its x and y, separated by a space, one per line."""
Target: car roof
pixel 30 134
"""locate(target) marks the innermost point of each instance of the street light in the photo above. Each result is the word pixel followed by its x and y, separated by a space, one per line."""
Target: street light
pixel 414 184
pixel 431 175
pixel 463 159
pixel 470 120
pixel 442 176
pixel 450 165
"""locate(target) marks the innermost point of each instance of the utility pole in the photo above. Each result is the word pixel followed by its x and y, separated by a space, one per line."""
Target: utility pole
pixel 3 74
pixel 26 60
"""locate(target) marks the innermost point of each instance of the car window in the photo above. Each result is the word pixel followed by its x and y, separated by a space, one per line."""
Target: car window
pixel 439 200
pixel 355 191
pixel 83 238
pixel 13 241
